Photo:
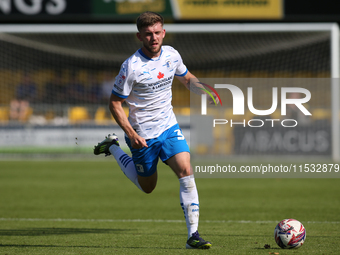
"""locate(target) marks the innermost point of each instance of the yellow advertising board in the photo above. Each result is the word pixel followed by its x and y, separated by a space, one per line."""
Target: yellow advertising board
pixel 228 9
pixel 139 6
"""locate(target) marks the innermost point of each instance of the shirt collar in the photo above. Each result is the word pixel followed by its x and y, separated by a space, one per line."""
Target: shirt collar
pixel 153 59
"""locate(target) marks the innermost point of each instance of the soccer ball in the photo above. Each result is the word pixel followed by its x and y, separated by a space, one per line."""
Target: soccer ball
pixel 290 234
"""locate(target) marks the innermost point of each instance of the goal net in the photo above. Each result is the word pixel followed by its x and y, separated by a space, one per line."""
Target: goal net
pixel 56 79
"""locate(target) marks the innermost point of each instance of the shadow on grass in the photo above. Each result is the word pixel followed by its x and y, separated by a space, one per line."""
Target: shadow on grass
pixel 82 246
pixel 268 249
pixel 58 231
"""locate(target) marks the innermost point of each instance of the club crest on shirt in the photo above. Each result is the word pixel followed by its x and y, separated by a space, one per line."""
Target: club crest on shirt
pixel 168 64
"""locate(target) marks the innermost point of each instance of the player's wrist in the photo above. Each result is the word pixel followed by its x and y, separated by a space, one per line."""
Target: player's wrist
pixel 132 135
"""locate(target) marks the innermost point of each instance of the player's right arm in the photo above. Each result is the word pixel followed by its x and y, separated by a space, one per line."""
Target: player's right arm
pixel 117 111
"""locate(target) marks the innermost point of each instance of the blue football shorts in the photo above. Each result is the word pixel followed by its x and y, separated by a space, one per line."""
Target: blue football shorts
pixel 168 144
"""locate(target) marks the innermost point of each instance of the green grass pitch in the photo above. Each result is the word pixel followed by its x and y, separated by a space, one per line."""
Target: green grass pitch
pixel 90 207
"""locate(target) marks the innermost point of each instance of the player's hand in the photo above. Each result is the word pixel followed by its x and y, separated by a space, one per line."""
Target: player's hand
pixel 211 101
pixel 138 142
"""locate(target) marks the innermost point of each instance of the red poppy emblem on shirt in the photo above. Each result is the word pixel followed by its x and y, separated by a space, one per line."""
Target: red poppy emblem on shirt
pixel 160 75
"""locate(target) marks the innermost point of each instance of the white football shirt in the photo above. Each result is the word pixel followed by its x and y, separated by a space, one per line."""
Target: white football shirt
pixel 146 85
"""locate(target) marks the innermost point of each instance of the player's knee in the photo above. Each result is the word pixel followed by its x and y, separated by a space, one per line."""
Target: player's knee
pixel 148 184
pixel 148 189
pixel 185 172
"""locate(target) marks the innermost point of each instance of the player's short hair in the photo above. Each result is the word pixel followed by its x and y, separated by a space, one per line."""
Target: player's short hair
pixel 147 19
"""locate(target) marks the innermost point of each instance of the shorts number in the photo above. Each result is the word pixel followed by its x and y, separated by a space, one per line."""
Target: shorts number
pixel 180 136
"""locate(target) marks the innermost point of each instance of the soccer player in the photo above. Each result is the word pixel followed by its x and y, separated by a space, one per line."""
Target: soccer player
pixel 151 130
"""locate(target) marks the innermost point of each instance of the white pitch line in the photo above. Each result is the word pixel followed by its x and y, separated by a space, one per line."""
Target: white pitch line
pixel 158 221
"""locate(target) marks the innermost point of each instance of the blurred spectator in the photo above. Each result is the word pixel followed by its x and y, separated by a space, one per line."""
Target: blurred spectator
pixel 55 91
pixel 94 89
pixel 76 91
pixel 107 86
pixel 26 93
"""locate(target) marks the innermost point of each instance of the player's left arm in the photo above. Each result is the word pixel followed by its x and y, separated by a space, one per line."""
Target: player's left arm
pixel 191 82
